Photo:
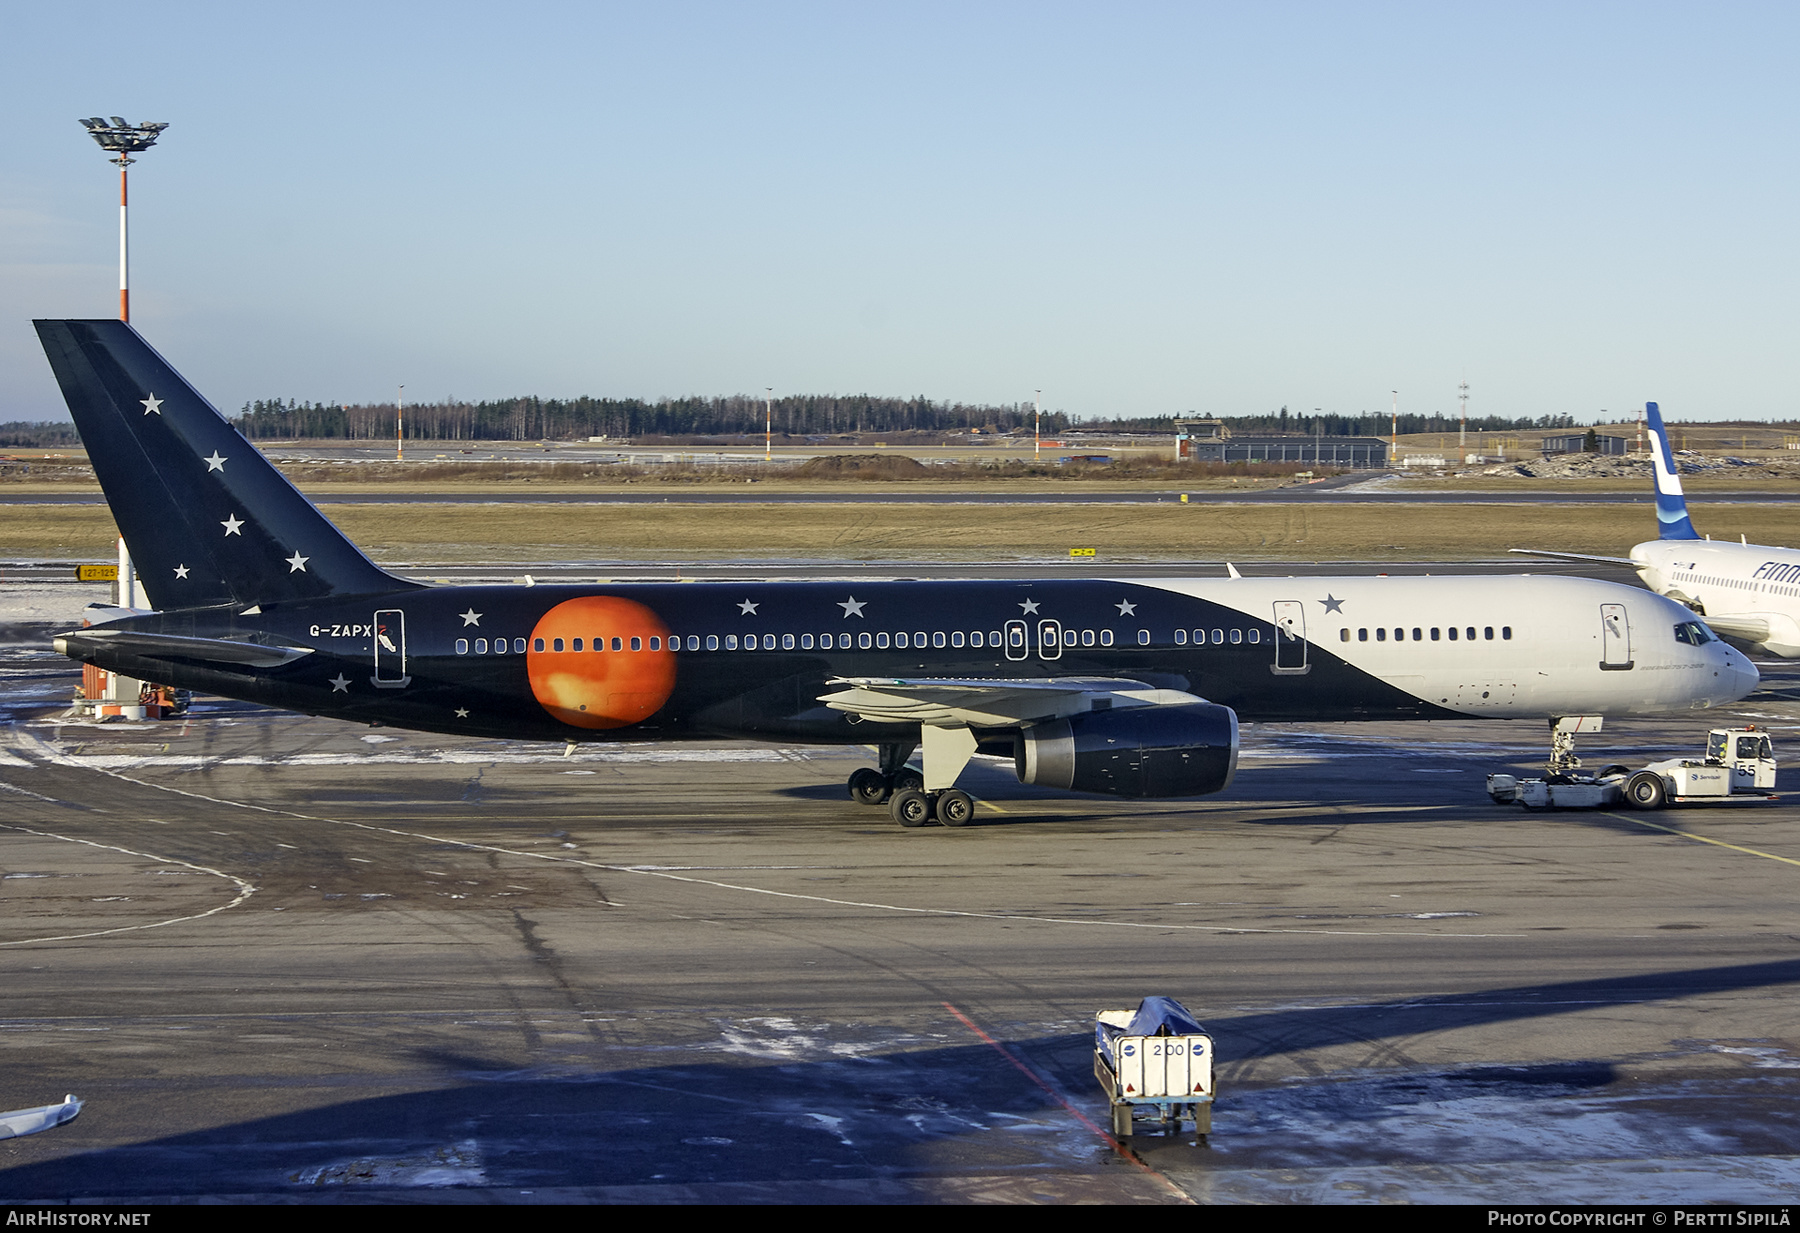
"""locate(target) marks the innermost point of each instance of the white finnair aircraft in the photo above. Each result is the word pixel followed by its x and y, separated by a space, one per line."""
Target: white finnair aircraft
pixel 1747 592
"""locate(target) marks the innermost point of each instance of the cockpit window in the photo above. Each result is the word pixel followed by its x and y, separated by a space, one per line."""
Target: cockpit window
pixel 1693 633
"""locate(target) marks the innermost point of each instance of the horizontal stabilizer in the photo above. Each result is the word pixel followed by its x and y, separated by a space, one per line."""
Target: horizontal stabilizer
pixel 88 643
pixel 1573 556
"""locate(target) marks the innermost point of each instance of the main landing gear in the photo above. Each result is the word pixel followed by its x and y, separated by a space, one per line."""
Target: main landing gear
pixel 903 791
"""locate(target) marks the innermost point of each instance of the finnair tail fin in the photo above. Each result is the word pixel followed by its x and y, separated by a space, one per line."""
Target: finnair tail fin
pixel 1671 504
pixel 208 520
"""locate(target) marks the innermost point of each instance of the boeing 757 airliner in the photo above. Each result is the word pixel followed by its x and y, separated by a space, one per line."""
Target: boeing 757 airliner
pixel 1129 688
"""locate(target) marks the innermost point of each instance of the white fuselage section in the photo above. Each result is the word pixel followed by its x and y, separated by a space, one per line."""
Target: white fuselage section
pixel 1518 646
pixel 1747 591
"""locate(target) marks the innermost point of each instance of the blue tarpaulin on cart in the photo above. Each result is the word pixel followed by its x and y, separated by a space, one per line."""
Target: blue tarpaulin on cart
pixel 1156 1016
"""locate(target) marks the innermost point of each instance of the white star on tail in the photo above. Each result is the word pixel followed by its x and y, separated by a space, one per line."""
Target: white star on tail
pixel 181 571
pixel 297 562
pixel 340 684
pixel 1126 608
pixel 216 462
pixel 462 712
pixel 852 606
pixel 152 403
pixel 231 525
pixel 471 617
pixel 747 608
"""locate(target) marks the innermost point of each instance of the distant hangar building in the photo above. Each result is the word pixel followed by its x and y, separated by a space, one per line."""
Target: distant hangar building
pixel 1210 441
pixel 1578 443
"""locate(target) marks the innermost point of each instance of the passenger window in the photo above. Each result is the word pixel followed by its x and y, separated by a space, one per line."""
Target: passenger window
pixel 1434 633
pixel 618 644
pixel 1471 633
pixel 1506 633
pixel 481 646
pixel 881 640
pixel 975 638
pixel 1344 635
pixel 1087 637
pixel 1488 632
pixel 1399 635
pixel 462 646
pixel 1181 637
pixel 919 639
pixel 655 643
pixel 712 642
pixel 637 643
pixel 993 637
pixel 1237 636
pixel 937 639
pixel 768 642
pixel 1362 635
pixel 1218 636
pixel 787 642
pixel 556 644
pixel 576 645
pixel 1418 636
pixel 862 640
pixel 844 641
pixel 1256 635
pixel 1381 634
pixel 956 637
pixel 537 644
pixel 731 642
pixel 901 640
pixel 1143 637
pixel 806 642
pixel 1106 637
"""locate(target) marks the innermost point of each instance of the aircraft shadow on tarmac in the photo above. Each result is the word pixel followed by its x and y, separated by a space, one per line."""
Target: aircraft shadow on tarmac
pixel 897 1114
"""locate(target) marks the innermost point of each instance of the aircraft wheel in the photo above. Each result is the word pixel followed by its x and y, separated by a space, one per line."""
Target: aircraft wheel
pixel 869 787
pixel 1645 790
pixel 955 807
pixel 908 780
pixel 910 807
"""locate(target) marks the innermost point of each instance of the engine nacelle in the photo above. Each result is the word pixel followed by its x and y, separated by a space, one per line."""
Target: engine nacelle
pixel 1145 751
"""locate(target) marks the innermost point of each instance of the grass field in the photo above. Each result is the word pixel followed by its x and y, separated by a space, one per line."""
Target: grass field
pixel 674 532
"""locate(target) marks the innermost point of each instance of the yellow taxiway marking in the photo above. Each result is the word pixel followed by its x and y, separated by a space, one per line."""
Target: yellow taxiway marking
pixel 1786 860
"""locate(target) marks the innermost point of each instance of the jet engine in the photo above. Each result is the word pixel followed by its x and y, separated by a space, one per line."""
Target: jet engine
pixel 1186 750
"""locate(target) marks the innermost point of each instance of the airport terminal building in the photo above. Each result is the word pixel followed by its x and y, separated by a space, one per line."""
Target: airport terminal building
pixel 1210 441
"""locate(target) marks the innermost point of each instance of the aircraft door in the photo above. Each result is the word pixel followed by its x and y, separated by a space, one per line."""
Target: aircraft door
pixel 389 643
pixel 1290 638
pixel 1049 639
pixel 1016 647
pixel 1615 639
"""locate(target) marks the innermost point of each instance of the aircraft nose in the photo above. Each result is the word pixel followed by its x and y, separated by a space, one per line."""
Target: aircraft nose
pixel 1738 675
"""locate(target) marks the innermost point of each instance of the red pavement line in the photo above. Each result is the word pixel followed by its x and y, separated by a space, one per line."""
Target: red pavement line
pixel 1123 1151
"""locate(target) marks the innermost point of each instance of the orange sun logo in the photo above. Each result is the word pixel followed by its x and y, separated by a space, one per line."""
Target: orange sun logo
pixel 601 662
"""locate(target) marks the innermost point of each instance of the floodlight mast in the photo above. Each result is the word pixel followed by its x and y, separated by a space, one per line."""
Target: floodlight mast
pixel 123 140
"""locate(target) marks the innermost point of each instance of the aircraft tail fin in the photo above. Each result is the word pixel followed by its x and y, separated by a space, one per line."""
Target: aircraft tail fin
pixel 1671 504
pixel 207 518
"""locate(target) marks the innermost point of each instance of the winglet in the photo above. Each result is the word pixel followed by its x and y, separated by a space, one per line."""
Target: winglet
pixel 1671 504
pixel 1232 570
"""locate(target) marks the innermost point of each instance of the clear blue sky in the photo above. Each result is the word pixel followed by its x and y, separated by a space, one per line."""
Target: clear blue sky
pixel 1141 209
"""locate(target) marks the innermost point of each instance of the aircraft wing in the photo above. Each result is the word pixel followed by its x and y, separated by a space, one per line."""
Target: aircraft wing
pixel 1745 628
pixel 1576 556
pixel 174 646
pixel 990 702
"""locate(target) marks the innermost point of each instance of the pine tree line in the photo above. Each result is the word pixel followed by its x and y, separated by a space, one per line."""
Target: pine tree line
pixel 534 419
